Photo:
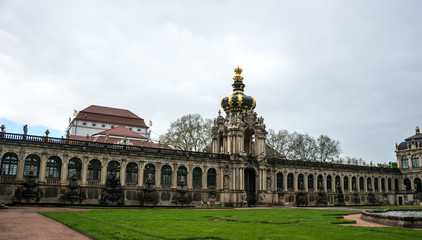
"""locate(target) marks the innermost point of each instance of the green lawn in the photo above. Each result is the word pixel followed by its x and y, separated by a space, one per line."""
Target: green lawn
pixel 223 224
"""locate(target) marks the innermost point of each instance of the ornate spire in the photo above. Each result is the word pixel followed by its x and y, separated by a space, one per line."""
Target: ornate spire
pixel 238 85
pixel 238 71
pixel 238 102
pixel 417 130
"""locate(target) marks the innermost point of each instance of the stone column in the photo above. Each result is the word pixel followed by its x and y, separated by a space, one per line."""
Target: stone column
pixel 412 183
pixel 305 182
pixel 410 163
pixel 84 172
pixel 295 178
pixel 104 172
pixel 234 143
pixel 350 183
pixel 20 167
pixel 399 165
pixel 374 185
pixel 204 178
pixel 43 166
pixel 189 177
pixel 264 180
pixel 324 182
pixel 242 179
pixel 220 176
pixel 123 173
pixel 285 181
pixel 174 176
pixel 241 142
pixel 233 179
pixel 420 160
pixel 261 179
pixel 158 176
pixel 365 184
pixel 229 139
pixel 63 177
pixel 140 175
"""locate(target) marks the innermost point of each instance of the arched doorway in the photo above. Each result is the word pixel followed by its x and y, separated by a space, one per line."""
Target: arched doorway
pixel 250 185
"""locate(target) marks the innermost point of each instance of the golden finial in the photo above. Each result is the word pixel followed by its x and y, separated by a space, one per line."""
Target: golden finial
pixel 238 70
pixel 417 130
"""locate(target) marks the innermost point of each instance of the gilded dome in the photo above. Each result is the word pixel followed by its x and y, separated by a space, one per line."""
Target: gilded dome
pixel 238 102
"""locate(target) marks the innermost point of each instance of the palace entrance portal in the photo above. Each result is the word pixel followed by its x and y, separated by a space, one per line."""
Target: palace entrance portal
pixel 250 185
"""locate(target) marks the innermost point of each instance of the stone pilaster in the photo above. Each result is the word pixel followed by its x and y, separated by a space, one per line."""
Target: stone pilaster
pixel 43 166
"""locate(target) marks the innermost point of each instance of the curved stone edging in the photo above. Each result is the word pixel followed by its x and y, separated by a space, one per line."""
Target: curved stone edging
pixel 408 222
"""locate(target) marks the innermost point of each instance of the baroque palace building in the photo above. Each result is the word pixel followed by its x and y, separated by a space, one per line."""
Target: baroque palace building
pixel 106 167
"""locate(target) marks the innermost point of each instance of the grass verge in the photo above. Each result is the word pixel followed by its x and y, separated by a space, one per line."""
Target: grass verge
pixel 223 224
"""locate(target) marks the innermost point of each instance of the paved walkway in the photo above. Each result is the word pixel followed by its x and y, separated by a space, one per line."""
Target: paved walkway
pixel 26 223
pixel 360 222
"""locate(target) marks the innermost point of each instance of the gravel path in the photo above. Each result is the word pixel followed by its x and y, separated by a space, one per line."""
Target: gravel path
pixel 27 223
pixel 360 222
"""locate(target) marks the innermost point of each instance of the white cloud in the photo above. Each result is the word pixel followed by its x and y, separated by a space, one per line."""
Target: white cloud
pixel 347 69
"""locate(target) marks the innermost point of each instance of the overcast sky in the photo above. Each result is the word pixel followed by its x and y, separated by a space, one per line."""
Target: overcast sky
pixel 351 70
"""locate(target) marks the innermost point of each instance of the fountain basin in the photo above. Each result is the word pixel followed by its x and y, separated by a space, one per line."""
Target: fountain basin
pixel 410 218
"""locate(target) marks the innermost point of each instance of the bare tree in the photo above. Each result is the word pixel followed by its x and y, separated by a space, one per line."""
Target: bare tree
pixel 304 146
pixel 280 142
pixel 327 148
pixel 190 132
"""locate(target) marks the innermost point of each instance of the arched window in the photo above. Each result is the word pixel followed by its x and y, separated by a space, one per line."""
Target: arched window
pixel 166 175
pixel 337 182
pixel 290 181
pixel 369 184
pixel 182 174
pixel 132 173
pixel 376 184
pixel 383 184
pixel 94 170
pixel 396 184
pixel 300 182
pixel 354 184
pixel 346 183
pixel 415 161
pixel 329 183
pixel 113 167
pixel 54 165
pixel 418 185
pixel 149 174
pixel 211 177
pixel 32 162
pixel 9 164
pixel 361 184
pixel 407 184
pixel 320 181
pixel 197 177
pixel 74 168
pixel 310 182
pixel 404 162
pixel 390 185
pixel 280 186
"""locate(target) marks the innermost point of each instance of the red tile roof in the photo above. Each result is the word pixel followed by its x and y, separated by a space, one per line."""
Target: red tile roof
pixel 120 131
pixel 111 115
pixel 80 138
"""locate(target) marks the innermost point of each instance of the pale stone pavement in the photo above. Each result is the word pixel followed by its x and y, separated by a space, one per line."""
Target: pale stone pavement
pixel 27 223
